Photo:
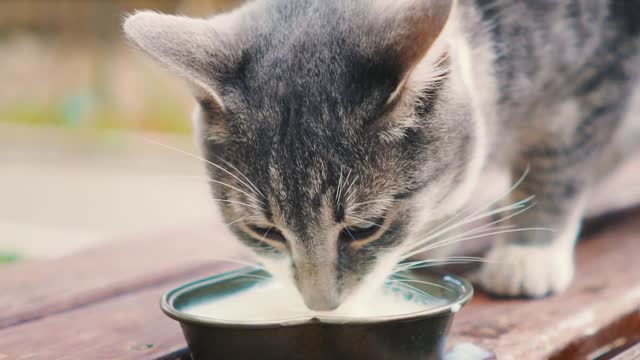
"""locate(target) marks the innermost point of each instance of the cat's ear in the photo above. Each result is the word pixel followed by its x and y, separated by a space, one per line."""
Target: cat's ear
pixel 408 30
pixel 199 50
pixel 411 27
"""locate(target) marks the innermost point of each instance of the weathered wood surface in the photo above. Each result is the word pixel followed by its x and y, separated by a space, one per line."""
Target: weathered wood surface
pixel 129 326
pixel 607 286
pixel 103 304
pixel 36 289
pixel 630 354
pixel 614 340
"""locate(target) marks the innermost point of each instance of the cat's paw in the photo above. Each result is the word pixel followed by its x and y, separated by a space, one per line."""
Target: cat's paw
pixel 516 270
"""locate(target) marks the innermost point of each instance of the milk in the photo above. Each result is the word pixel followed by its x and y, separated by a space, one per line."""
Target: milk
pixel 273 302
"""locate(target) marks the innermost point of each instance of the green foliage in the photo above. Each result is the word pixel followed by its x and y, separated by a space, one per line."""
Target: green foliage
pixel 81 113
pixel 6 258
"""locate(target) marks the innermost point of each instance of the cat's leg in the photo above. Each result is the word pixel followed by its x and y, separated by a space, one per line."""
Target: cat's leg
pixel 561 165
pixel 538 262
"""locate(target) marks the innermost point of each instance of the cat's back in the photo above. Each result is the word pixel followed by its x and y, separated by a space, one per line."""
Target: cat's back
pixel 554 47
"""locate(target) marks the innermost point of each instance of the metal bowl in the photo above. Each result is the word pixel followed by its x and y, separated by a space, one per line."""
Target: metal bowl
pixel 419 335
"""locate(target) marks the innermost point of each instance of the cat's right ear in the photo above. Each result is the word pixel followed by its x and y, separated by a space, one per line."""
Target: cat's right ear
pixel 407 29
pixel 199 50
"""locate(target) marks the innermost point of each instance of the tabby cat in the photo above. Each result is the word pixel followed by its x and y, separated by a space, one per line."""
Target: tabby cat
pixel 338 133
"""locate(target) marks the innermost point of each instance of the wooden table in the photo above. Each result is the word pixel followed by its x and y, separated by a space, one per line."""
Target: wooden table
pixel 103 303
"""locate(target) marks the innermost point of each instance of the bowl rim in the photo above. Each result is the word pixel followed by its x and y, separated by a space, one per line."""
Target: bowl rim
pixel 167 304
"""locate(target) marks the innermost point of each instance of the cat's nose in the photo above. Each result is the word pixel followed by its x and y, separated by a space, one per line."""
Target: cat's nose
pixel 318 295
pixel 321 303
pixel 316 279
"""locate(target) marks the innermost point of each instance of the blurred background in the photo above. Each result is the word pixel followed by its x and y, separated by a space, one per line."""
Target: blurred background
pixel 76 105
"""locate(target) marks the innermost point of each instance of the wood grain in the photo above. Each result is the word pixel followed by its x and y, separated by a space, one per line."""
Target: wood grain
pixel 610 341
pixel 126 327
pixel 36 289
pixel 607 286
pixel 630 354
pixel 131 326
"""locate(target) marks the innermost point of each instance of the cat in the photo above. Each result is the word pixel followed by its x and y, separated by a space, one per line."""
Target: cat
pixel 335 130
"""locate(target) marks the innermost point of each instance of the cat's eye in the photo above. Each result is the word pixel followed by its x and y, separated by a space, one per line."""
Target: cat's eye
pixel 361 231
pixel 268 233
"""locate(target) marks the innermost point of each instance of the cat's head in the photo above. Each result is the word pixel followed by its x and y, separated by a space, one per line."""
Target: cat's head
pixel 333 129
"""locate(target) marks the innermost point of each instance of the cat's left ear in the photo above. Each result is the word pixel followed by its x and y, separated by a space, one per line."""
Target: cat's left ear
pixel 200 50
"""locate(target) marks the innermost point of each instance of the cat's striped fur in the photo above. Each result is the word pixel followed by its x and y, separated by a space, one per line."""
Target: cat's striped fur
pixel 345 126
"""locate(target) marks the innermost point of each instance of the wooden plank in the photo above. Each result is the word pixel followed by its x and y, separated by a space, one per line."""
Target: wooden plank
pixel 612 340
pixel 607 286
pixel 131 325
pixel 128 327
pixel 631 354
pixel 36 289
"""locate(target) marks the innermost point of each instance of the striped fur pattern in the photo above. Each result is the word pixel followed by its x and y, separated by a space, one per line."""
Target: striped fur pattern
pixel 338 131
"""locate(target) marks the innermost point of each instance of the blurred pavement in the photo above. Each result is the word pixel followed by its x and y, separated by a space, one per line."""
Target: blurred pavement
pixel 64 190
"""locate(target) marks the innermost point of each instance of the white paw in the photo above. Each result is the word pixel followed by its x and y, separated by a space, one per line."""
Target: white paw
pixel 516 270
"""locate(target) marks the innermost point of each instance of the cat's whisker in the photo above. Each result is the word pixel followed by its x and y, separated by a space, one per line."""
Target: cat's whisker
pixel 385 201
pixel 454 240
pixel 439 262
pixel 477 231
pixel 343 185
pixel 443 263
pixel 199 158
pixel 338 187
pixel 350 193
pixel 409 280
pixel 243 175
pixel 448 222
pixel 411 288
pixel 341 182
pixel 472 218
pixel 489 226
pixel 479 210
pixel 264 236
pixel 238 203
pixel 510 190
pixel 346 228
pixel 365 221
pixel 492 228
pixel 239 220
pixel 208 179
pixel 458 239
pixel 468 220
pixel 485 226
pixel 448 258
pixel 235 188
pixel 514 206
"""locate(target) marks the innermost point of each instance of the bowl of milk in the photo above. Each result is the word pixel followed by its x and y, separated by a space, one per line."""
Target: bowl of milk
pixel 245 314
